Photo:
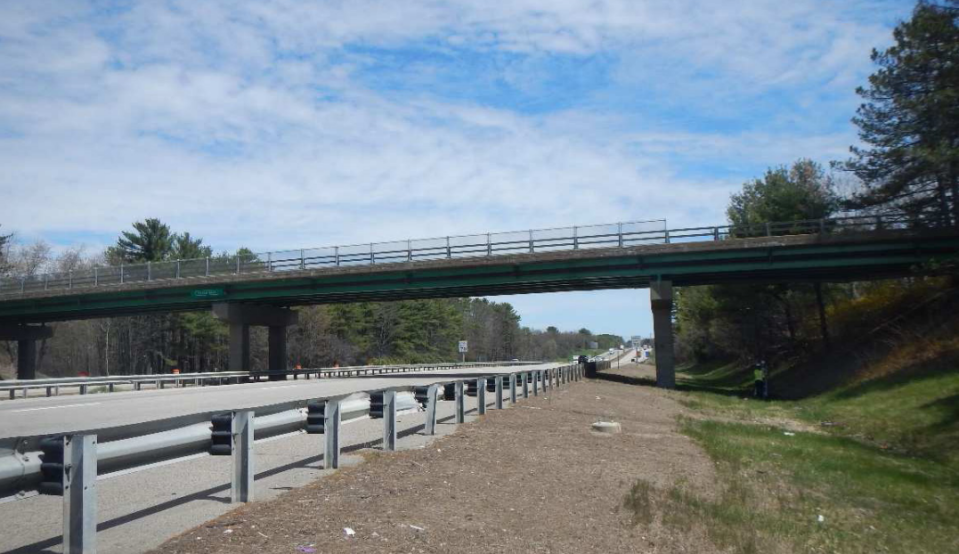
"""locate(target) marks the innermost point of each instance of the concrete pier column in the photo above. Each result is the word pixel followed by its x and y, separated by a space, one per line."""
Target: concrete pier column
pixel 661 299
pixel 241 317
pixel 239 347
pixel 277 352
pixel 26 337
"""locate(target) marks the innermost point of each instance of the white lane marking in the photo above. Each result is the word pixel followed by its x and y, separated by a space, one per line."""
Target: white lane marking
pixel 57 407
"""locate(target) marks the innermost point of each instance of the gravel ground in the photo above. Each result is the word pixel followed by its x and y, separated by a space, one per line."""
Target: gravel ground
pixel 532 478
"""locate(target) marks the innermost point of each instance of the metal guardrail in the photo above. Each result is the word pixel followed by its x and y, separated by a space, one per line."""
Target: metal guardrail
pixel 70 465
pixel 159 381
pixel 609 235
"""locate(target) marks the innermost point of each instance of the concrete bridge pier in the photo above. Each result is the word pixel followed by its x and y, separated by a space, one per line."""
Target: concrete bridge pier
pixel 661 299
pixel 240 317
pixel 26 337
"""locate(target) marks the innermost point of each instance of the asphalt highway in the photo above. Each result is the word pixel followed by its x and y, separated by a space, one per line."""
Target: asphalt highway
pixel 56 415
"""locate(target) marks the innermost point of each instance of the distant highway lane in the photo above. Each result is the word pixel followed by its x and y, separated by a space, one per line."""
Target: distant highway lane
pixel 73 414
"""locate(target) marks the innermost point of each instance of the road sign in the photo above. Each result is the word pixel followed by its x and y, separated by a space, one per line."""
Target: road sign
pixel 209 293
pixel 464 348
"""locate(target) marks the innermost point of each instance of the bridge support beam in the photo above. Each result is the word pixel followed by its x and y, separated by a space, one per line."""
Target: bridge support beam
pixel 241 317
pixel 661 299
pixel 26 337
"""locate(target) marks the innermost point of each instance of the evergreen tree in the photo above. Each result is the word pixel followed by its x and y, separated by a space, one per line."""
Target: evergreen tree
pixel 910 120
pixel 186 247
pixel 150 241
pixel 801 192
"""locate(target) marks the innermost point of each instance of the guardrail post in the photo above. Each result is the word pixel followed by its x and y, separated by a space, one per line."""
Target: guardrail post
pixel 431 394
pixel 525 376
pixel 512 388
pixel 716 233
pixel 121 274
pixel 489 245
pixel 666 236
pixel 80 494
pixel 449 251
pixel 331 432
pixel 769 232
pixel 96 275
pixel 535 383
pixel 237 272
pixel 207 273
pixel 389 420
pixel 241 489
pixel 531 241
pixel 499 392
pixel 481 395
pixel 460 403
pixel 149 271
pixel 372 255
pixel 575 239
pixel 336 255
pixel 302 260
pixel 619 233
pixel 409 250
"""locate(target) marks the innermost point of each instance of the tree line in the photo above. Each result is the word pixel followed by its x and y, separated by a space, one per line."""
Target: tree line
pixel 907 164
pixel 412 331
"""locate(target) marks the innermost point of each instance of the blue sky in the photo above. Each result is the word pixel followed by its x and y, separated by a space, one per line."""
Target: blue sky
pixel 287 124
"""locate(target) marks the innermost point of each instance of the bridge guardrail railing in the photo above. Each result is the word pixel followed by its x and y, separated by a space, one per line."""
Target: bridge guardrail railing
pixel 610 235
pixel 68 465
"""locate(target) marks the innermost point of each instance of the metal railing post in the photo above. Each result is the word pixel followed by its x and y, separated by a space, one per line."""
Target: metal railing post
pixel 96 275
pixel 716 233
pixel 481 395
pixel 619 233
pixel 207 272
pixel 512 388
pixel 269 261
pixel 525 377
pixel 389 420
pixel 409 250
pixel 575 238
pixel 121 274
pixel 489 245
pixel 499 392
pixel 241 488
pixel 372 256
pixel 449 251
pixel 666 235
pixel 331 432
pixel 460 402
pixel 79 494
pixel 302 259
pixel 336 255
pixel 237 272
pixel 535 376
pixel 431 394
pixel 530 241
pixel 178 269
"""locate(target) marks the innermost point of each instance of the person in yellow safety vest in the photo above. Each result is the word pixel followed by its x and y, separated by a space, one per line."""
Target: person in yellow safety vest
pixel 761 376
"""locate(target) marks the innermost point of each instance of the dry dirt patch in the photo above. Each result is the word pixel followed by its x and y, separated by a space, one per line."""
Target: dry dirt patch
pixel 532 478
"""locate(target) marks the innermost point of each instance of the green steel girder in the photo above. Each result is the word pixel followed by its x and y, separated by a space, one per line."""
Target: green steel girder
pixel 684 264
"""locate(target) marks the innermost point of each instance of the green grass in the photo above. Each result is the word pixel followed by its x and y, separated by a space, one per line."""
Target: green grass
pixel 884 472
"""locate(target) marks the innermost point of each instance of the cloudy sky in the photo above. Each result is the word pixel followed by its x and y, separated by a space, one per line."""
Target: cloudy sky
pixel 288 124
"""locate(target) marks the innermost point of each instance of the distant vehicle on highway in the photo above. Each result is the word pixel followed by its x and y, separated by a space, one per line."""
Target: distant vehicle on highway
pixel 583 359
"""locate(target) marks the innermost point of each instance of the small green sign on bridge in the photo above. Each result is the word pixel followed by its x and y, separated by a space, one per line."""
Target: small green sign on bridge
pixel 208 293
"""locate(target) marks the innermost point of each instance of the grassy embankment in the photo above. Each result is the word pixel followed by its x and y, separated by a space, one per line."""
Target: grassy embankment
pixel 871 465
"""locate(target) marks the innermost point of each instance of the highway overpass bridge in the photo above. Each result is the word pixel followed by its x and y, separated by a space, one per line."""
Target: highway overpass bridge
pixel 260 289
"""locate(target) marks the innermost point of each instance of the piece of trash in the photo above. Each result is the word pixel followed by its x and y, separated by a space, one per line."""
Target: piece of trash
pixel 821 519
pixel 228 531
pixel 831 424
pixel 788 434
pixel 417 528
pixel 306 549
pixel 349 532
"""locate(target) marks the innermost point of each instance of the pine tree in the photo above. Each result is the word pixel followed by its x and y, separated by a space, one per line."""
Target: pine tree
pixel 150 241
pixel 910 120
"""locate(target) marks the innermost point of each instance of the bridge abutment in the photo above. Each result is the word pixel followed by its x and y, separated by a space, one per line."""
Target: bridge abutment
pixel 661 299
pixel 26 337
pixel 240 317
